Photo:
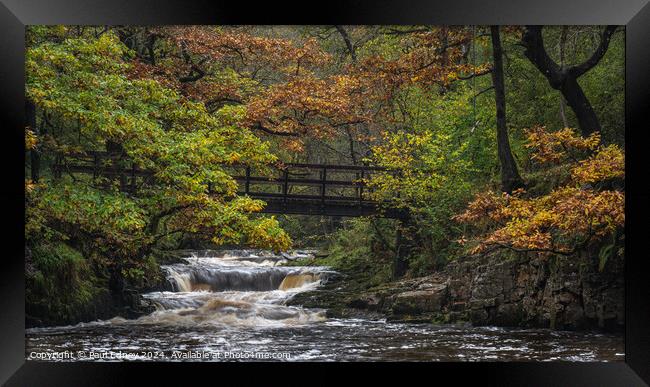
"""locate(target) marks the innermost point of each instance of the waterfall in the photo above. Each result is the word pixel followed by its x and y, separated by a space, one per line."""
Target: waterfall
pixel 181 282
pixel 236 287
pixel 292 281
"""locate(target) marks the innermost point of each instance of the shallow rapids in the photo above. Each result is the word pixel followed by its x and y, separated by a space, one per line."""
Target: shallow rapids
pixel 232 305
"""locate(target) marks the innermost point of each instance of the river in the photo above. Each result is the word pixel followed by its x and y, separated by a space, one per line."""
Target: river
pixel 231 306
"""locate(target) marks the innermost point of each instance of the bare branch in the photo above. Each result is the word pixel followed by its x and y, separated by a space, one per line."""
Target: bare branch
pixel 475 75
pixel 587 65
pixel 264 129
pixel 348 42
pixel 483 91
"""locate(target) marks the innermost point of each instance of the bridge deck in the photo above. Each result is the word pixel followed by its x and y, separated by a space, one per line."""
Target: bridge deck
pixel 290 188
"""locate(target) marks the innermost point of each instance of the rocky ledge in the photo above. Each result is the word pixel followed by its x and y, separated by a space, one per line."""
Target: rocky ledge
pixel 514 290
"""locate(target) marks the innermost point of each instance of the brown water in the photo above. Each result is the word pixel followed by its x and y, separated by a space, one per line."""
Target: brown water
pixel 231 307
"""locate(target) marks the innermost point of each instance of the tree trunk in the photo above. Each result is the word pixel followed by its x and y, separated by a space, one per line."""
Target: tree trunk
pixel 577 100
pixel 34 154
pixel 510 179
pixel 348 42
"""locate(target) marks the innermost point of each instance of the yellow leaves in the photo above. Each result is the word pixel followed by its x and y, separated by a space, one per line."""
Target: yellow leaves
pixel 120 120
pixel 607 163
pixel 113 219
pixel 31 141
pixel 31 187
pixel 230 115
pixel 249 205
pixel 566 217
pixel 234 157
pixel 399 150
pixel 557 146
pixel 266 233
pixel 421 169
pixel 84 82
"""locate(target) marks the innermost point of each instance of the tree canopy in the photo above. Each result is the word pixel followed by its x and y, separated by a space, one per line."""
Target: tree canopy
pixel 445 110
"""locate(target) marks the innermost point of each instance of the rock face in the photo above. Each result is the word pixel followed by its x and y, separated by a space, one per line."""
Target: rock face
pixel 559 293
pixel 415 301
pixel 507 290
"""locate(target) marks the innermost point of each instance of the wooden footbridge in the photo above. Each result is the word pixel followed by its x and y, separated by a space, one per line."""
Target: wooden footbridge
pixel 290 188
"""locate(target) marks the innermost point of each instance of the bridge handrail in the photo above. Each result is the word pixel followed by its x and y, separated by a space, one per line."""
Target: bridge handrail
pixel 91 154
pixel 90 162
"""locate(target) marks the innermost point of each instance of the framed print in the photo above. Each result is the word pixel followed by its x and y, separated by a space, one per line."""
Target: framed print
pixel 438 187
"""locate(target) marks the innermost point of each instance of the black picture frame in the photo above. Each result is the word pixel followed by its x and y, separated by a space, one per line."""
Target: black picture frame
pixel 634 14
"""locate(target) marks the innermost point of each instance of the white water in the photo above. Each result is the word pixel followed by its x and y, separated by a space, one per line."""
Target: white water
pixel 235 289
pixel 242 288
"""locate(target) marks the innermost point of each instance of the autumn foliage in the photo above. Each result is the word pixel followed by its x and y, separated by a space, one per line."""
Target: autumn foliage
pixel 589 207
pixel 291 90
pixel 183 101
pixel 85 85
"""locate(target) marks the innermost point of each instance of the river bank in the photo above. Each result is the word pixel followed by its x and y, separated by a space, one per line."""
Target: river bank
pixel 508 290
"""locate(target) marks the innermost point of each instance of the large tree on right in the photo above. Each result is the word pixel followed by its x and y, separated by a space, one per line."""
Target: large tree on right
pixel 565 78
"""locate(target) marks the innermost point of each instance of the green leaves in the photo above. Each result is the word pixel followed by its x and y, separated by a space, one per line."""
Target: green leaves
pixel 83 82
pixel 430 158
pixel 82 210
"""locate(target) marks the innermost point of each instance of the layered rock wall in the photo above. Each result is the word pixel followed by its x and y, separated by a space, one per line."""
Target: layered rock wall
pixel 560 292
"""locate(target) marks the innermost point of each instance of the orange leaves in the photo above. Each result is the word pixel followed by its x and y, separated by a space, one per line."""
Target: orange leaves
pixel 567 218
pixel 164 75
pixel 289 87
pixel 557 146
pixel 294 145
pixel 585 211
pixel 225 65
pixel 556 222
pixel 306 105
pixel 522 238
pixel 486 205
pixel 429 58
pixel 319 106
pixel 607 163
pixel 244 48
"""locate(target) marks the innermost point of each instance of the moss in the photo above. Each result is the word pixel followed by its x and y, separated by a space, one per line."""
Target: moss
pixel 146 275
pixel 440 318
pixel 354 251
pixel 62 287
